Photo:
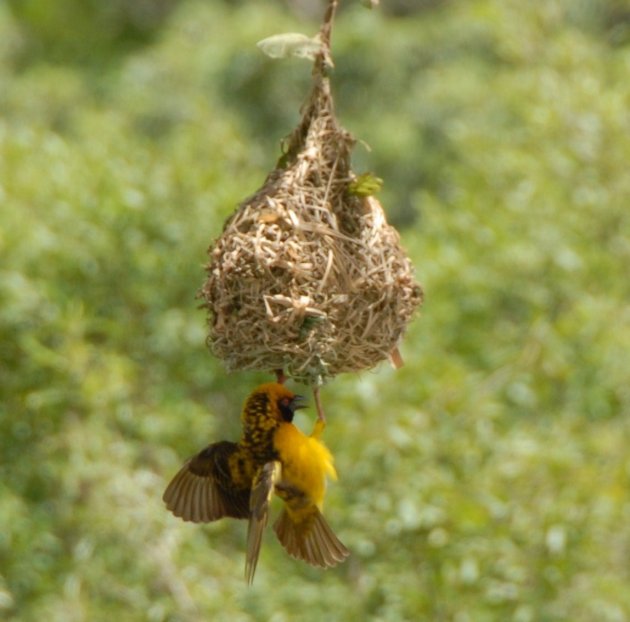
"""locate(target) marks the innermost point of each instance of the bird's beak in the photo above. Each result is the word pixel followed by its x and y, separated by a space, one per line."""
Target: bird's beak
pixel 299 401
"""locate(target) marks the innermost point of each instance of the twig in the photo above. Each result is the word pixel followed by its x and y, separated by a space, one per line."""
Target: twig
pixel 318 405
pixel 329 17
pixel 325 58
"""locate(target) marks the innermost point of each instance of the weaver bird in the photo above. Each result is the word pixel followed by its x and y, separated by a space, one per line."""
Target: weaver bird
pixel 239 479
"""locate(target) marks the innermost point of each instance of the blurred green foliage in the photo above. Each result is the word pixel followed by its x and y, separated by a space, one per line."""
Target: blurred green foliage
pixel 488 480
pixel 86 31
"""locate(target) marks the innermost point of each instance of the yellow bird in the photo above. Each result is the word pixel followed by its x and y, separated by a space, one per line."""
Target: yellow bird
pixel 239 479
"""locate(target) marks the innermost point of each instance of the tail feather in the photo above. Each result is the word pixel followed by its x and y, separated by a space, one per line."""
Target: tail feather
pixel 312 540
pixel 337 552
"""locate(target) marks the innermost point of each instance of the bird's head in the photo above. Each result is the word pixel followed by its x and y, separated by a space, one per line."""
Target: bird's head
pixel 288 403
pixel 274 401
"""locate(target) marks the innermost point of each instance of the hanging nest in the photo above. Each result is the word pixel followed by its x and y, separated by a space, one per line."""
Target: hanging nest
pixel 307 275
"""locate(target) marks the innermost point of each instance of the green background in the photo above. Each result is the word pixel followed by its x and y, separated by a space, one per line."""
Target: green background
pixel 488 479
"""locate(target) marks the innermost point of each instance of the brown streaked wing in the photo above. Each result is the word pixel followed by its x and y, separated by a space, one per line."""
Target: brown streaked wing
pixel 200 492
pixel 262 490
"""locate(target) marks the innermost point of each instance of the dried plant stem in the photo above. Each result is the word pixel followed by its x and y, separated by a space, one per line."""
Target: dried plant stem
pixel 329 18
pixel 318 405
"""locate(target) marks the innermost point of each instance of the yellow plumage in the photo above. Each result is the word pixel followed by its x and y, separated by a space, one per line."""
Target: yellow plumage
pixel 306 461
pixel 301 484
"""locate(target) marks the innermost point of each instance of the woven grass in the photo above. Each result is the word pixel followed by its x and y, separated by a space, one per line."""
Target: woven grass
pixel 306 276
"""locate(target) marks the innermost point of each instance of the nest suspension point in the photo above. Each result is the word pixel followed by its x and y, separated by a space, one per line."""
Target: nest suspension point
pixel 307 275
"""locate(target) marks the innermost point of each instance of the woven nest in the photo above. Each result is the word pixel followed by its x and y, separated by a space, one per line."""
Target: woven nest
pixel 307 276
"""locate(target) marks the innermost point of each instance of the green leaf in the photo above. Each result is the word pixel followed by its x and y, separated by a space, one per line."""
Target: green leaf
pixel 291 44
pixel 365 185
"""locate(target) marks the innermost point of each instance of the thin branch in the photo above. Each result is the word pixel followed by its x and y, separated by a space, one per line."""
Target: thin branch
pixel 326 28
pixel 318 405
pixel 324 59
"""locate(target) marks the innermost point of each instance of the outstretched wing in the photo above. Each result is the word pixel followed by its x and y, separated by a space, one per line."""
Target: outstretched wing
pixel 203 491
pixel 262 490
pixel 304 532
